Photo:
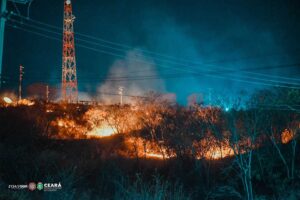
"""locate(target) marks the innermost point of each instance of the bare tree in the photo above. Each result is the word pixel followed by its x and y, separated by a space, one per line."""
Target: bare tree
pixel 245 128
pixel 282 124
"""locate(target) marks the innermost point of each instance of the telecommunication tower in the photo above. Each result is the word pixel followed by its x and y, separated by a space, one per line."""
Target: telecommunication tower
pixel 69 76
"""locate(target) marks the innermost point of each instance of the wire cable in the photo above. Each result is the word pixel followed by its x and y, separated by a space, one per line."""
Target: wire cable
pixel 216 69
pixel 122 56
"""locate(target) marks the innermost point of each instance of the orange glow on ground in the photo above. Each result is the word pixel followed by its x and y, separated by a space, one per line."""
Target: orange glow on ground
pixel 155 155
pixel 60 123
pixel 25 102
pixel 215 153
pixel 68 128
pixel 103 131
pixel 22 102
pixel 146 149
pixel 98 123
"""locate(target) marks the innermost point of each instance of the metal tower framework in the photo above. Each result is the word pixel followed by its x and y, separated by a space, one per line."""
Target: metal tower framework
pixel 69 76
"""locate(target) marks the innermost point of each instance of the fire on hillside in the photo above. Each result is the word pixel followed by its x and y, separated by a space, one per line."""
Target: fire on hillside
pixel 110 121
pixel 152 130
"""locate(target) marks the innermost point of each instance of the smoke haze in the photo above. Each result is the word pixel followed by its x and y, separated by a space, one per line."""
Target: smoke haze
pixel 134 64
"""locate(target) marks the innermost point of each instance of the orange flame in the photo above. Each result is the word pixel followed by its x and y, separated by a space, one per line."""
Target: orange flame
pixel 102 131
pixel 286 136
pixel 146 149
pixel 216 153
pixel 25 102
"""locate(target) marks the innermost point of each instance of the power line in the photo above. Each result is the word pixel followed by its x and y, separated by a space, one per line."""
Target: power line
pixel 212 70
pixel 99 44
pixel 140 78
pixel 124 46
pixel 159 59
pixel 125 95
pixel 281 108
pixel 267 75
pixel 216 76
pixel 144 77
pixel 127 47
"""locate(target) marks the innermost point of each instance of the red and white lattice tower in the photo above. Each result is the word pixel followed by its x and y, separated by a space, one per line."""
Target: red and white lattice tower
pixel 69 76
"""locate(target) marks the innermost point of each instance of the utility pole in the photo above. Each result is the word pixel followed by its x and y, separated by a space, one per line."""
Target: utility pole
pixel 3 14
pixel 210 96
pixel 2 29
pixel 121 90
pixel 47 93
pixel 20 81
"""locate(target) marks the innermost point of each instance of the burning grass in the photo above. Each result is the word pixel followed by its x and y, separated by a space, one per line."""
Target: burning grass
pixel 8 101
pixel 193 139
pixel 155 136
pixel 102 131
pixel 154 131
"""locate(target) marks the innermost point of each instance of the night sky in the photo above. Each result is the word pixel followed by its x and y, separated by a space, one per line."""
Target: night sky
pixel 176 47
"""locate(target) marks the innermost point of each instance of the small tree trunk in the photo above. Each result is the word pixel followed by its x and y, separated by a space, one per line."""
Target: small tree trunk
pixel 281 157
pixel 294 145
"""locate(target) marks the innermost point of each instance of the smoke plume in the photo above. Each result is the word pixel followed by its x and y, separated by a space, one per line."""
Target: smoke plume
pixel 132 74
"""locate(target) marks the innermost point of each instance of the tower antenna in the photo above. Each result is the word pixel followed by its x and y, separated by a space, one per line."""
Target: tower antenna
pixel 69 76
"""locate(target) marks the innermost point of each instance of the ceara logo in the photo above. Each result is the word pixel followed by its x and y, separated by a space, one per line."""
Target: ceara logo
pixel 39 186
pixel 52 186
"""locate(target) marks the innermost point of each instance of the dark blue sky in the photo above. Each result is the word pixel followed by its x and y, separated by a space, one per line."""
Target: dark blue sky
pixel 202 39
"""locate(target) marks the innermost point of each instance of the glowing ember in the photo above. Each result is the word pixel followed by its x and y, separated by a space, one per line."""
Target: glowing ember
pixel 7 100
pixel 286 136
pixel 155 155
pixel 142 148
pixel 60 123
pixel 25 102
pixel 212 149
pixel 68 128
pixel 216 153
pixel 103 131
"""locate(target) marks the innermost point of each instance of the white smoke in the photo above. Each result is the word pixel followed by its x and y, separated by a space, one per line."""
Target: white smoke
pixel 134 66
